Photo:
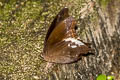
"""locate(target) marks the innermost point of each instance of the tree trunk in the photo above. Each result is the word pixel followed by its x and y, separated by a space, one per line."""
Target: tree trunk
pixel 104 33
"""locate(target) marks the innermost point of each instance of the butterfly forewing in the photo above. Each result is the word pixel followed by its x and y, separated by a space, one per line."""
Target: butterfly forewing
pixel 62 31
pixel 60 17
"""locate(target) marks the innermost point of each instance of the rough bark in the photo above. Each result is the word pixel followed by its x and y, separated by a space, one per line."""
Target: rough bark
pixel 104 34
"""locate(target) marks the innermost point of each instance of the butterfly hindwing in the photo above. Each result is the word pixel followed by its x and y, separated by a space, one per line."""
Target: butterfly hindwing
pixel 67 51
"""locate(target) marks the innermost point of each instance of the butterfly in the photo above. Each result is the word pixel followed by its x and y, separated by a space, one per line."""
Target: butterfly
pixel 61 44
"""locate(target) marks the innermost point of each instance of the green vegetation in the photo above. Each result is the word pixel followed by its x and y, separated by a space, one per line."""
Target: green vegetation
pixel 101 77
pixel 104 77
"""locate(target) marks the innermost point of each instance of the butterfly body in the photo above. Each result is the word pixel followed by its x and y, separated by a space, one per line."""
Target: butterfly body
pixel 61 43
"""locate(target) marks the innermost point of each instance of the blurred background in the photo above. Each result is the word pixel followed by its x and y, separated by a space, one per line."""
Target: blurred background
pixel 24 24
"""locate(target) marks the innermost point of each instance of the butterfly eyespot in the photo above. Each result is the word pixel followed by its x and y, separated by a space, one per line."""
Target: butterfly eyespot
pixel 76 27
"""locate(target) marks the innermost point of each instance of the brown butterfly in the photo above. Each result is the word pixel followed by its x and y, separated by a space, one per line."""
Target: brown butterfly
pixel 61 44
